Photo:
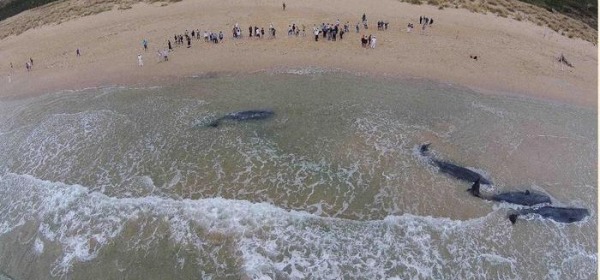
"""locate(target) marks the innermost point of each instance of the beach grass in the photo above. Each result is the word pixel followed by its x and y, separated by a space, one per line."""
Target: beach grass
pixel 44 12
pixel 571 18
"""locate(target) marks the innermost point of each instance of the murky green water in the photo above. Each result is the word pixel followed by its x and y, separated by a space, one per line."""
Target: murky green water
pixel 131 183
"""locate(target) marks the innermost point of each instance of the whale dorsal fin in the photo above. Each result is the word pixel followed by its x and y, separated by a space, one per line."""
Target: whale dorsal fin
pixel 475 188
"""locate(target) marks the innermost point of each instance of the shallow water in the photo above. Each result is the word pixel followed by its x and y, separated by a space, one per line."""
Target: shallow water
pixel 131 183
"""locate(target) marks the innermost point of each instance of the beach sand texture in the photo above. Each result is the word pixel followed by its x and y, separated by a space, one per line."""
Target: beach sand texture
pixel 514 57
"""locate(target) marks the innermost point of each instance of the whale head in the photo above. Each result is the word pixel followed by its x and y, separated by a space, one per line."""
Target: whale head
pixel 513 218
pixel 424 149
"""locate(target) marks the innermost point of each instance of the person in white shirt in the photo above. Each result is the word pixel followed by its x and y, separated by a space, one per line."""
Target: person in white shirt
pixel 373 42
pixel 140 61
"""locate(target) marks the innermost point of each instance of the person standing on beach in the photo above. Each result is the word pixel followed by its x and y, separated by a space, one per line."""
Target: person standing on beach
pixel 30 62
pixel 145 44
pixel 316 34
pixel 284 6
pixel 11 66
pixel 140 62
pixel 250 31
pixel 169 43
pixel 165 55
pixel 78 53
pixel 373 42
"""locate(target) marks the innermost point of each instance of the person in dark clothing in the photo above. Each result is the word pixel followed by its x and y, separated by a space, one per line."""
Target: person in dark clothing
pixel 250 31
pixel 284 6
pixel 421 20
pixel 170 47
pixel 334 34
pixel 364 17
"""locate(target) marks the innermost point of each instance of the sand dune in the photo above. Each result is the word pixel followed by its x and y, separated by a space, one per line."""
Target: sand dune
pixel 514 57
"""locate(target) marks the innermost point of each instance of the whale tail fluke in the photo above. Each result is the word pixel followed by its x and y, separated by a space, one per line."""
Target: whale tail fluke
pixel 513 218
pixel 474 190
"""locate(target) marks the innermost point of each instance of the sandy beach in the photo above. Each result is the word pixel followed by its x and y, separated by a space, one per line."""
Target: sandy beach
pixel 514 57
pixel 247 172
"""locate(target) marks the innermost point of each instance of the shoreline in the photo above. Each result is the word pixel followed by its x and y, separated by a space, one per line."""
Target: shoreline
pixel 516 58
pixel 171 81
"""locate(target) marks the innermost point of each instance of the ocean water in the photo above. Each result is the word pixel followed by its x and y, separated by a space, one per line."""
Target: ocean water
pixel 131 183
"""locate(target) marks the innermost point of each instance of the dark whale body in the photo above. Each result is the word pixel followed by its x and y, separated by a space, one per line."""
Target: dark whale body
pixel 244 116
pixel 459 172
pixel 527 198
pixel 558 214
pixel 454 170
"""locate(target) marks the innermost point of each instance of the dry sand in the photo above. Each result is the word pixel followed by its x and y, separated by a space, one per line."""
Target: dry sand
pixel 515 58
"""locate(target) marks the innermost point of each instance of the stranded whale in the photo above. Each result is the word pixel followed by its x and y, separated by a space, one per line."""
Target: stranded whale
pixel 244 116
pixel 526 198
pixel 558 214
pixel 454 170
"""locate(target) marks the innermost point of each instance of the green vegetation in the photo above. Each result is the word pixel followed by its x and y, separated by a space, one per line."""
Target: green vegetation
pixel 14 7
pixel 584 10
pixel 575 18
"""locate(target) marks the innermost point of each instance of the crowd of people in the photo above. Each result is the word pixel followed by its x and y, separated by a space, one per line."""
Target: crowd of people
pixel 382 25
pixel 368 42
pixel 331 31
pixel 327 31
pixel 424 22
